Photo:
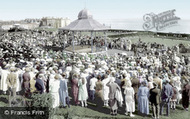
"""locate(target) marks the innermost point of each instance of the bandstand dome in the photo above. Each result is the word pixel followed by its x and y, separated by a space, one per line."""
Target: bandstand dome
pixel 85 22
pixel 84 14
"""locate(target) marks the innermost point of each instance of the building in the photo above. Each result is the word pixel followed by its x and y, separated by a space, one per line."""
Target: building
pixel 55 22
pixel 25 24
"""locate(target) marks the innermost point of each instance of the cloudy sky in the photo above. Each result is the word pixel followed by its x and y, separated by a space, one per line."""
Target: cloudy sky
pixel 101 9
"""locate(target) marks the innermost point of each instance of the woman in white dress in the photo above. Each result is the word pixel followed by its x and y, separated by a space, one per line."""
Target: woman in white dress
pixel 177 84
pixel 54 89
pixel 129 98
pixel 83 94
pixel 105 90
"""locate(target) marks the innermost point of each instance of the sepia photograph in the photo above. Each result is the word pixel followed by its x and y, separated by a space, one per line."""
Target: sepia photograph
pixel 94 59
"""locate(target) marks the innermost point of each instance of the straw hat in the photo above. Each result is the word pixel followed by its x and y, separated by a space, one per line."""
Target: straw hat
pixel 27 69
pixel 57 76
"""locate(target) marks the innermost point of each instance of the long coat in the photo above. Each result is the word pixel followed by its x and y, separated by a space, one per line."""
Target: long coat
pixel 135 84
pixel 26 80
pixel 63 91
pixel 143 102
pixel 3 83
pixel 75 89
pixel 155 96
pixel 112 91
pixel 186 95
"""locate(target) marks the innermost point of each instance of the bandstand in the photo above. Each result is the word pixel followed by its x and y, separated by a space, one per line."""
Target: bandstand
pixel 85 23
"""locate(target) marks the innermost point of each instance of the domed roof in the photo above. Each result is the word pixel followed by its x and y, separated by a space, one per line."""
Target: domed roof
pixel 84 14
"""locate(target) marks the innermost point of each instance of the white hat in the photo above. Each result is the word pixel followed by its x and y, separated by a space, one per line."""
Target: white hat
pixel 12 69
pixel 112 68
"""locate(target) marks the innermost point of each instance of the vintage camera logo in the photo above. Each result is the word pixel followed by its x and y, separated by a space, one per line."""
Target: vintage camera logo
pixel 160 21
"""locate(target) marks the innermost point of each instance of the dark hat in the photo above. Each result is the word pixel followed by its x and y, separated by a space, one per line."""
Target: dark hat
pixel 63 74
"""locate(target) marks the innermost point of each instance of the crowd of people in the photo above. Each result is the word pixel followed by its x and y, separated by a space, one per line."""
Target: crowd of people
pixel 155 77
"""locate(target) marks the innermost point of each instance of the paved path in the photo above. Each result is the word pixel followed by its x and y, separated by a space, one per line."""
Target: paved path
pixel 113 51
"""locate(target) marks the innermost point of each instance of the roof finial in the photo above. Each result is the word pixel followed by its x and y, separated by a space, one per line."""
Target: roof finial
pixel 84 4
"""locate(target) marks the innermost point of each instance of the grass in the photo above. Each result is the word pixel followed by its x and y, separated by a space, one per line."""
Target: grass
pixel 135 38
pixel 99 113
pixel 168 42
pixel 93 112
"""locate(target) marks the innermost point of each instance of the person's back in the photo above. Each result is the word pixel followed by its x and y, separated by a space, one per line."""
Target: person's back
pixel 93 83
pixel 11 79
pixel 175 92
pixel 39 85
pixel 63 85
pixel 3 83
pixel 143 102
pixel 26 80
pixel 186 96
pixel 187 88
pixel 26 76
pixel 143 91
pixel 166 95
pixel 112 89
pixel 154 95
pixel 54 87
pixel 154 98
pixel 158 81
pixel 105 87
pixel 135 84
pixel 167 92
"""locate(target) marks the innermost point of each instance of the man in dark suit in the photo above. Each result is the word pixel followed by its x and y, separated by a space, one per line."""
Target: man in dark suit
pixel 186 95
pixel 155 100
pixel 166 95
pixel 40 84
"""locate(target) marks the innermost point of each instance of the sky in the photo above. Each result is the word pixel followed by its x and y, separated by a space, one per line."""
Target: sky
pixel 100 9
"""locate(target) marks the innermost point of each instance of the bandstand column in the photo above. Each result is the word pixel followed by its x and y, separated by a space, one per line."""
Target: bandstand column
pixel 105 35
pixel 73 41
pixel 91 41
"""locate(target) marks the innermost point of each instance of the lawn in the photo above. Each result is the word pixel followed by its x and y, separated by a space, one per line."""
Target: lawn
pixel 93 112
pixel 99 113
pixel 168 42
